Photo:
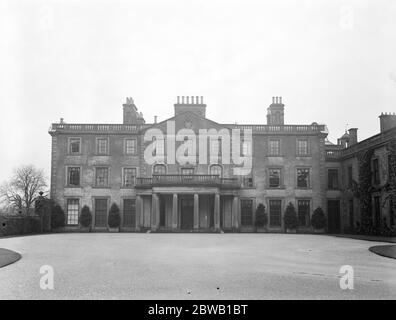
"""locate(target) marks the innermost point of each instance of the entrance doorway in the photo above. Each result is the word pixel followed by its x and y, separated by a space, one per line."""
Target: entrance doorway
pixel 187 213
pixel 333 216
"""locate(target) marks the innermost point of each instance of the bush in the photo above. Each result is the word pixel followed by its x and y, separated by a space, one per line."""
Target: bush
pixel 318 219
pixel 57 217
pixel 261 216
pixel 18 225
pixel 85 217
pixel 290 217
pixel 114 219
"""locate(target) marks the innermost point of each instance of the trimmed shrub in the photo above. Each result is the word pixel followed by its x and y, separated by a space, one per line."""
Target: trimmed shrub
pixel 18 225
pixel 114 219
pixel 290 217
pixel 318 219
pixel 57 217
pixel 85 217
pixel 261 216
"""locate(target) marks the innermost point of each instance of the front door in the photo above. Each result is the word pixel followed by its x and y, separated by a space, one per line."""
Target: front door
pixel 187 213
pixel 333 213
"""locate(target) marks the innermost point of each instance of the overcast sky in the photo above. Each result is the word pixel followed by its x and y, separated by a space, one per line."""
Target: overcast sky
pixel 333 62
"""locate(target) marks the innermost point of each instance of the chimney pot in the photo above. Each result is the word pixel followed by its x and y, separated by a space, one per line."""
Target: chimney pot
pixel 201 99
pixel 280 99
pixel 188 99
pixel 155 119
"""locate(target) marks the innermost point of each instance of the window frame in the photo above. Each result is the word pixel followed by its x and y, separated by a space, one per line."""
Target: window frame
pixel 124 176
pixel 280 185
pixel 126 146
pixel 96 177
pixel 107 146
pixel 270 154
pixel 280 212
pixel 307 217
pixel 376 171
pixel 67 184
pixel 69 151
pixel 307 154
pixel 331 187
pixel 216 166
pixel 159 165
pixel 309 177
pixel 74 214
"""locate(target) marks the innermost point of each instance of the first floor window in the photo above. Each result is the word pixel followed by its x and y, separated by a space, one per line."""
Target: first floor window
pixel 274 178
pixel 303 178
pixel 247 182
pixel 187 171
pixel 102 147
pixel 376 175
pixel 159 169
pixel 216 170
pixel 74 145
pixel 274 147
pixel 302 147
pixel 391 213
pixel 246 212
pixel 275 213
pixel 73 208
pixel 303 212
pixel 102 177
pixel 332 179
pixel 130 146
pixel 129 177
pixel 73 176
pixel 350 176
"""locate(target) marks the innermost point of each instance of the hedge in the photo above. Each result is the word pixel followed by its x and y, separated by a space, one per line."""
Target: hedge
pixel 18 225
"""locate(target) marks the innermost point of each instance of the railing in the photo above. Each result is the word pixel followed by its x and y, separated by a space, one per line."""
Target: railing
pixel 86 127
pixel 291 128
pixel 184 179
pixel 333 154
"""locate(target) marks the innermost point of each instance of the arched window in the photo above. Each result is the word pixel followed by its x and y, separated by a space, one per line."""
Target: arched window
pixel 216 170
pixel 159 169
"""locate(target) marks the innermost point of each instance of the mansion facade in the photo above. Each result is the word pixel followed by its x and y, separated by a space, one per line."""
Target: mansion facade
pixel 100 164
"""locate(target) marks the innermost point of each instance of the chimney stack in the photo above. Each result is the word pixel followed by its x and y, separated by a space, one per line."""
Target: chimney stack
pixel 196 105
pixel 155 119
pixel 387 121
pixel 275 114
pixel 353 139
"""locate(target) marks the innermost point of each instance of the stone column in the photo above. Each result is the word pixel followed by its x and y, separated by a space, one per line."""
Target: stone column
pixel 174 212
pixel 138 212
pixel 235 212
pixel 196 211
pixel 217 211
pixel 154 212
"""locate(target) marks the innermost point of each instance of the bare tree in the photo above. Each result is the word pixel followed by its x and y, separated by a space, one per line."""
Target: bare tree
pixel 22 189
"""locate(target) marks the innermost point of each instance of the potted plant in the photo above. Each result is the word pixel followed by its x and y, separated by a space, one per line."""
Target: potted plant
pixel 85 219
pixel 57 218
pixel 114 218
pixel 318 220
pixel 290 219
pixel 261 218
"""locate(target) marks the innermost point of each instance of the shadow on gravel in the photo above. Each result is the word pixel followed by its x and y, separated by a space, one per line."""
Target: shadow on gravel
pixel 7 257
pixel 388 251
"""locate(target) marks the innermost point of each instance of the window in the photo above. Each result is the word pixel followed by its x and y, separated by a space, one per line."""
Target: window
pixel 73 176
pixel 187 171
pixel 275 213
pixel 377 211
pixel 303 212
pixel 129 212
pixel 159 169
pixel 351 213
pixel 216 170
pixel 302 147
pixel 130 146
pixel 129 177
pixel 159 146
pixel 247 182
pixel 102 146
pixel 390 166
pixel 74 145
pixel 214 147
pixel 350 177
pixel 101 177
pixel 303 178
pixel 247 148
pixel 100 212
pixel 274 147
pixel 246 212
pixel 274 178
pixel 332 179
pixel 391 213
pixel 73 208
pixel 376 175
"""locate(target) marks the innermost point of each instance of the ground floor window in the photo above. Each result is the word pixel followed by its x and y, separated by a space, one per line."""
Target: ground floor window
pixel 246 212
pixel 303 207
pixel 275 213
pixel 101 212
pixel 73 208
pixel 129 213
pixel 391 213
pixel 377 211
pixel 351 213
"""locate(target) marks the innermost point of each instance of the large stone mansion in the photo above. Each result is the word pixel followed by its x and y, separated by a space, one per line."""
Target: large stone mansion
pixel 100 164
